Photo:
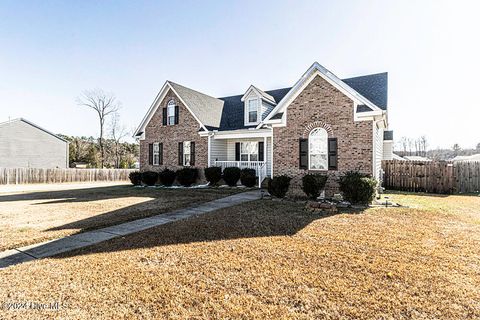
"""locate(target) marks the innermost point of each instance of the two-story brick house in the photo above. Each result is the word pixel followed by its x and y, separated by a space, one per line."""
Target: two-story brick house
pixel 322 124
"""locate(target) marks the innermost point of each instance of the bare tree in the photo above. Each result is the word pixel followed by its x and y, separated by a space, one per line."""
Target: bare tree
pixel 456 149
pixel 104 105
pixel 424 145
pixel 478 146
pixel 117 133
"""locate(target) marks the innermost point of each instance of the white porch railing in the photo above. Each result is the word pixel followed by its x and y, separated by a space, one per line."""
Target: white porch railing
pixel 260 167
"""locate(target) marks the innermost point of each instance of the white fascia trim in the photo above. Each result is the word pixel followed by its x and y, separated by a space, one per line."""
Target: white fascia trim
pixel 265 96
pixel 239 134
pixel 307 77
pixel 154 107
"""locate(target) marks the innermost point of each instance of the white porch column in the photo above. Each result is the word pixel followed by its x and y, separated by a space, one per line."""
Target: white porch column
pixel 208 150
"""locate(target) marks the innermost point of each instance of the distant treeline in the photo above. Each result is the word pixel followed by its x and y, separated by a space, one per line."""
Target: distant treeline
pixel 86 151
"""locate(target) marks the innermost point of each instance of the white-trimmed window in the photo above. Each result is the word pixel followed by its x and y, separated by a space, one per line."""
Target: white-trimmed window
pixel 318 149
pixel 252 109
pixel 171 112
pixel 186 153
pixel 249 151
pixel 156 154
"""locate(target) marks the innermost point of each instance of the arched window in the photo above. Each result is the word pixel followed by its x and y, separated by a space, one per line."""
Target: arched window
pixel 171 112
pixel 318 149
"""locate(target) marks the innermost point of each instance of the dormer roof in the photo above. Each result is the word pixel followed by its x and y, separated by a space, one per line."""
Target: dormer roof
pixel 262 94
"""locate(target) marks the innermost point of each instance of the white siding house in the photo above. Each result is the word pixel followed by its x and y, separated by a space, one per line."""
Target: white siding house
pixel 24 144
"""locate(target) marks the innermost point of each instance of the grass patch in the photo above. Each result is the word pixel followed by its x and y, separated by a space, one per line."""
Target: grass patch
pixel 33 217
pixel 272 259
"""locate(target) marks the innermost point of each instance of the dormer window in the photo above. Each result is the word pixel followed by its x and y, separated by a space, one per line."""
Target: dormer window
pixel 253 110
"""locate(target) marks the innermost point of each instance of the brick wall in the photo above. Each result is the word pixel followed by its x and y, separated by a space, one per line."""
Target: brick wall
pixel 186 130
pixel 322 105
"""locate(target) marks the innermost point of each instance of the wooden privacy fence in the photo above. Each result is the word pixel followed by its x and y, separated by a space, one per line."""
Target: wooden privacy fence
pixel 36 175
pixel 431 176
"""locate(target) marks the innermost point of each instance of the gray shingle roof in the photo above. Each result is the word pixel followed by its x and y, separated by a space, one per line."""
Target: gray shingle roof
pixel 373 87
pixel 208 109
pixel 227 113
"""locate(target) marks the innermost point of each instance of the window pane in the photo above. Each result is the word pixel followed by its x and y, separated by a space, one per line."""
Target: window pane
pixel 318 162
pixel 244 157
pixel 253 157
pixel 252 116
pixel 186 159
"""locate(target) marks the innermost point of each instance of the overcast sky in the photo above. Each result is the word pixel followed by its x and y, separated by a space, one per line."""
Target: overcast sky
pixel 50 51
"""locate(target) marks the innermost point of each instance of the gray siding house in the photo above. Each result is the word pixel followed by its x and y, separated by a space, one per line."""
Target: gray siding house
pixel 24 144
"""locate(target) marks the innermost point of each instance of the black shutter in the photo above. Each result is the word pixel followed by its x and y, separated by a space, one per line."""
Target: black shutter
pixel 303 153
pixel 192 153
pixel 237 151
pixel 332 154
pixel 180 153
pixel 150 153
pixel 164 116
pixel 261 156
pixel 176 114
pixel 160 153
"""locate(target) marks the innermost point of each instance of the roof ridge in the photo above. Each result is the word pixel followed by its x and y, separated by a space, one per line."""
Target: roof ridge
pixel 181 85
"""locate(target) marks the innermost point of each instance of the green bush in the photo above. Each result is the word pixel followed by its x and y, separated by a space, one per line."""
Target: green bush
pixel 135 178
pixel 278 186
pixel 167 177
pixel 357 188
pixel 231 175
pixel 149 178
pixel 213 175
pixel 313 184
pixel 248 177
pixel 187 176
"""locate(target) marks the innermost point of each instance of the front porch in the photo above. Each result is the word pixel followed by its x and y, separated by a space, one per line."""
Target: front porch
pixel 245 149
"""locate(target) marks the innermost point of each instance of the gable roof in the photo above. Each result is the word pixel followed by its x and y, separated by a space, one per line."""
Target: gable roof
pixel 263 95
pixel 227 113
pixel 33 125
pixel 208 109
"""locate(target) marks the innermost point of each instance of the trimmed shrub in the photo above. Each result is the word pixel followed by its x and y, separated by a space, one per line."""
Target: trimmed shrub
pixel 357 188
pixel 187 176
pixel 213 175
pixel 231 175
pixel 278 186
pixel 135 178
pixel 167 177
pixel 248 177
pixel 149 178
pixel 313 184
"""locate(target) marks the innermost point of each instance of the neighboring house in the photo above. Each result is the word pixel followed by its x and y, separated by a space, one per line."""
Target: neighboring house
pixel 320 125
pixel 473 157
pixel 396 157
pixel 24 144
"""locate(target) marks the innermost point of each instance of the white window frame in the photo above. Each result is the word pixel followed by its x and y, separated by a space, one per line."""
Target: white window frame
pixel 171 113
pixel 156 154
pixel 318 135
pixel 187 153
pixel 249 155
pixel 247 110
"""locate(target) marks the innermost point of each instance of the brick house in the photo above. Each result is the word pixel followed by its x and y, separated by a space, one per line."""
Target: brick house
pixel 322 124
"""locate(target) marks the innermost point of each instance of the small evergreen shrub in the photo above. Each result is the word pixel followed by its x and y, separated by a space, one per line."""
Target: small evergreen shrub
pixel 187 176
pixel 313 184
pixel 248 177
pixel 167 177
pixel 213 175
pixel 231 176
pixel 278 186
pixel 357 188
pixel 149 178
pixel 135 178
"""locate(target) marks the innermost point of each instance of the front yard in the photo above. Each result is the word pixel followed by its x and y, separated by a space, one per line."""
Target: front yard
pixel 272 260
pixel 35 216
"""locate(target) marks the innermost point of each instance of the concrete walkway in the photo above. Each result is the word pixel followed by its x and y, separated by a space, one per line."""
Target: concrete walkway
pixel 57 246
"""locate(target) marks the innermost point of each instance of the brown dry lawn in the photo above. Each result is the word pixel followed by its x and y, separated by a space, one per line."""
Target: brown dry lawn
pixel 35 216
pixel 272 260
